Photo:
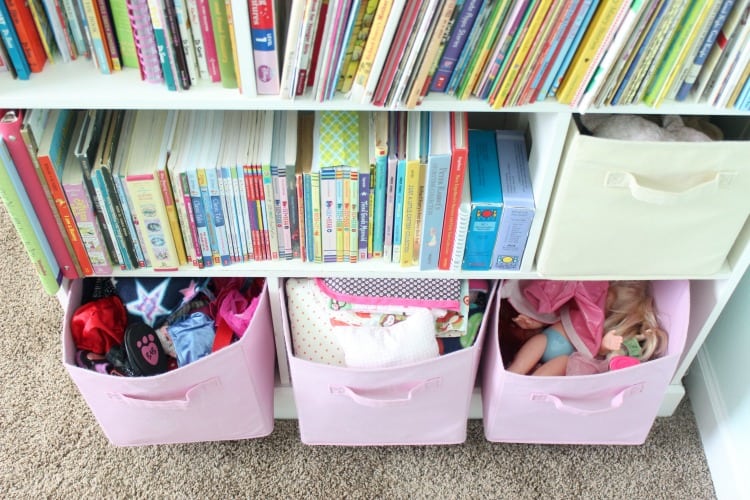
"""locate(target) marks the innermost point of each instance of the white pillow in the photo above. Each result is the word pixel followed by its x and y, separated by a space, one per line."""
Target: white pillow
pixel 405 342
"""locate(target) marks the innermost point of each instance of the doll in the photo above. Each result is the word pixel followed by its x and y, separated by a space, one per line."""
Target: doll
pixel 573 318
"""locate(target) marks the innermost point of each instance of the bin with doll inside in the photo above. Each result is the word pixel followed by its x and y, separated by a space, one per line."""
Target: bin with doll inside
pixel 369 370
pixel 172 360
pixel 609 397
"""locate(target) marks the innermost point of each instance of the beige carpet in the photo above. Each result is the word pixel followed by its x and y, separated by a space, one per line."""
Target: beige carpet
pixel 51 446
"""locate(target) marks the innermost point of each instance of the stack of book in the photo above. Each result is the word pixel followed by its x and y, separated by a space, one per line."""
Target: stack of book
pixel 115 189
pixel 393 53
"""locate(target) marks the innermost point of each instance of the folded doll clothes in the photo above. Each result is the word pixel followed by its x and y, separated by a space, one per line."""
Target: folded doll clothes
pixel 578 305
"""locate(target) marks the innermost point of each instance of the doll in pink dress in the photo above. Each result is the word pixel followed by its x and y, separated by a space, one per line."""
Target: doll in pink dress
pixel 592 322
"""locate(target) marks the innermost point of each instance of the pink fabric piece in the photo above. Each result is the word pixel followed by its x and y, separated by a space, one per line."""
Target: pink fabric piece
pixel 236 312
pixel 579 305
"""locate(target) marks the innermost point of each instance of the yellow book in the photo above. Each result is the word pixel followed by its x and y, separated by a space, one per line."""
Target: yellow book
pixel 590 51
pixel 409 215
pixel 509 78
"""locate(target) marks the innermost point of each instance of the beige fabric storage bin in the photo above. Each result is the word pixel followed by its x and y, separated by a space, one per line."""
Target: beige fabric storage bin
pixel 638 208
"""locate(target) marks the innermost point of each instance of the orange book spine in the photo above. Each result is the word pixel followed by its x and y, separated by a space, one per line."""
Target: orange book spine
pixel 23 21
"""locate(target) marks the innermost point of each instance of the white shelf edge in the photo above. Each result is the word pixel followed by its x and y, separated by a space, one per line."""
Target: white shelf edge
pixel 79 85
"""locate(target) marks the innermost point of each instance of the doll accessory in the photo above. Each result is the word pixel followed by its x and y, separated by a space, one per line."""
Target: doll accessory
pixel 144 351
pixel 619 362
pixel 153 300
pixel 632 346
pixel 193 337
pixel 99 325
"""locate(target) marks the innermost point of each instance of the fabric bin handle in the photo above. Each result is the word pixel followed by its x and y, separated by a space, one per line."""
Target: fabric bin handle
pixel 614 403
pixel 170 404
pixel 381 397
pixel 620 179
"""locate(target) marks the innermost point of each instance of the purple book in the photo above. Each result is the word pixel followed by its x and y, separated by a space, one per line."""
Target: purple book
pixel 455 45
pixel 364 215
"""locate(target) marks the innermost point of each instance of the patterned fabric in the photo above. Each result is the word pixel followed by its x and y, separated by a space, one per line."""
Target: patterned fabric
pixel 428 292
pixel 338 138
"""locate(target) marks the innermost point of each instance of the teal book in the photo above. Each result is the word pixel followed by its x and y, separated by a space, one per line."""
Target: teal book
pixel 486 201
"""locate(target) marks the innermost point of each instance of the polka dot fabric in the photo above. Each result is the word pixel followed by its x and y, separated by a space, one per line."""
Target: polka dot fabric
pixel 312 336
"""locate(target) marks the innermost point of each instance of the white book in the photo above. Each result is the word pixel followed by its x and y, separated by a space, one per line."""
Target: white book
pixel 197 35
pixel 244 46
pixel 186 35
pixel 292 50
pixel 462 226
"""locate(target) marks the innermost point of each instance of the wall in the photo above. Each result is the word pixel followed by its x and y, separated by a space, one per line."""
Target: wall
pixel 718 385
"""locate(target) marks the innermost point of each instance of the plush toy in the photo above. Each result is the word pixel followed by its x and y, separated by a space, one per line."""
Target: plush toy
pixel 595 324
pixel 652 128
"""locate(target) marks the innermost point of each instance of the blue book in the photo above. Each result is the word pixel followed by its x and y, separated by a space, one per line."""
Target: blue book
pixel 378 209
pixel 13 44
pixel 486 201
pixel 743 100
pixel 518 200
pixel 398 210
pixel 704 50
pixel 569 49
pixel 218 216
pixel 453 49
pixel 199 214
pixel 469 47
pixel 437 177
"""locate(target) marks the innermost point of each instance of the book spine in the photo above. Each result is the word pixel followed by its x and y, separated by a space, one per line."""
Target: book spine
pixel 28 227
pixel 199 217
pixel 317 217
pixel 265 46
pixel 307 39
pixel 218 216
pixel 98 40
pixel 369 50
pixel 390 203
pixel 66 216
pixel 130 221
pixel 13 45
pixel 223 44
pixel 145 194
pixel 124 32
pixel 398 211
pixel 704 50
pixel 363 226
pixel 436 187
pixel 91 237
pixel 458 168
pixel 44 30
pixel 207 30
pixel 108 32
pixel 57 20
pixel 145 41
pixel 171 209
pixel 240 202
pixel 113 226
pixel 176 51
pixel 196 34
pixel 10 128
pixel 409 212
pixel 76 26
pixel 299 182
pixel 21 17
pixel 269 196
pixel 449 58
pixel 187 219
pixel 160 37
pixel 340 249
pixel 328 213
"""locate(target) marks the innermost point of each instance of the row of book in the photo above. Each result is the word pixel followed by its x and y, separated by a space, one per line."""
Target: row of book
pixel 393 53
pixel 114 189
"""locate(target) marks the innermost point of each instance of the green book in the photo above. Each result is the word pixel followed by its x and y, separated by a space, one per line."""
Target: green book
pixel 26 223
pixel 124 33
pixel 223 40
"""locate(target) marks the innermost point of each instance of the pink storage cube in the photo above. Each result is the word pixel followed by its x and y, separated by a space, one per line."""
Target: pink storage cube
pixel 616 407
pixel 425 402
pixel 226 395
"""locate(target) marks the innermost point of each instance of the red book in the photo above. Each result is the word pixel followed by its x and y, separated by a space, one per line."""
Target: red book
pixel 398 47
pixel 10 127
pixel 32 46
pixel 459 159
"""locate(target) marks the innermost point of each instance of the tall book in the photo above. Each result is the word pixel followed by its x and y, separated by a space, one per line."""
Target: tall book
pixel 410 189
pixel 10 127
pixel 124 33
pixel 223 43
pixel 13 45
pixel 82 210
pixel 31 44
pixel 463 216
pixel 52 155
pixel 23 217
pixel 595 42
pixel 459 144
pixel 263 25
pixel 147 150
pixel 486 201
pixel 437 179
pixel 518 201
pixel 144 41
pixel 448 59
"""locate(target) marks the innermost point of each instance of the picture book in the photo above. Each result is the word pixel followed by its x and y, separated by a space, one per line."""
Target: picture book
pixel 454 47
pixel 486 201
pixel 518 201
pixel 459 144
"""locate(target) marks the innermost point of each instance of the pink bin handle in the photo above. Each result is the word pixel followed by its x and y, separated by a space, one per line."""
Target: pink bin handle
pixel 368 397
pixel 170 404
pixel 614 403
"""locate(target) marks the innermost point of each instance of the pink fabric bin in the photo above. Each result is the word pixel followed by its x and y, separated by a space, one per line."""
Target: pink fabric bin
pixel 226 395
pixel 617 407
pixel 420 403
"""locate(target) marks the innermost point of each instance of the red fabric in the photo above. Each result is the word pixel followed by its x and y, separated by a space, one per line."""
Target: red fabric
pixel 99 325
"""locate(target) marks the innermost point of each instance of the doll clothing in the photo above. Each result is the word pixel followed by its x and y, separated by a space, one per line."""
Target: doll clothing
pixel 557 345
pixel 578 305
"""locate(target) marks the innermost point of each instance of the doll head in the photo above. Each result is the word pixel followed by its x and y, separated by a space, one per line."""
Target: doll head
pixel 630 313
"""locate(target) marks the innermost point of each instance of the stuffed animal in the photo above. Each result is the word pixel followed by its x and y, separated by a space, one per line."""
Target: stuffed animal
pixel 652 128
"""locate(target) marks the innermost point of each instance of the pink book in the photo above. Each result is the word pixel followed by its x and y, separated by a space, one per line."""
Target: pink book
pixel 209 43
pixel 145 41
pixel 10 127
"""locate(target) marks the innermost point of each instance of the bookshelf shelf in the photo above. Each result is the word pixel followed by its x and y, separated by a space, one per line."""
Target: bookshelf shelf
pixel 80 85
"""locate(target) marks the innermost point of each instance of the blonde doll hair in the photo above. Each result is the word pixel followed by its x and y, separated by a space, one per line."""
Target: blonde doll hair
pixel 631 314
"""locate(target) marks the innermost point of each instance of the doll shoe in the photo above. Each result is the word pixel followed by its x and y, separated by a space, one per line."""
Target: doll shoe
pixel 144 351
